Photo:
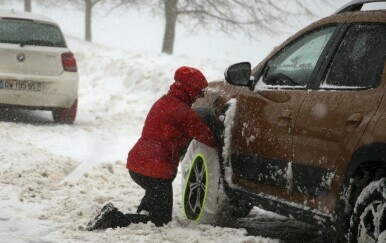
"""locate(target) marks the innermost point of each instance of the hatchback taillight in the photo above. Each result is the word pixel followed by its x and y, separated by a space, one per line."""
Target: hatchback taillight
pixel 69 62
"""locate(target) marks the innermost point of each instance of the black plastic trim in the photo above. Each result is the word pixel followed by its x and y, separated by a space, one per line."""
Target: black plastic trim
pixel 212 123
pixel 279 206
pixel 305 179
pixel 375 152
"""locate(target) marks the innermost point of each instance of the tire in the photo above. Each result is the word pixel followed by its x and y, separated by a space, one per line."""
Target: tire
pixel 368 221
pixel 65 115
pixel 239 208
pixel 204 199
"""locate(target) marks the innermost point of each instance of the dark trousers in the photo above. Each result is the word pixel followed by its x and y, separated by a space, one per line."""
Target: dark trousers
pixel 158 201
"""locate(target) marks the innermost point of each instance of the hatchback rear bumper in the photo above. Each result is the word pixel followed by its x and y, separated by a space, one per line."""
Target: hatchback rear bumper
pixel 60 91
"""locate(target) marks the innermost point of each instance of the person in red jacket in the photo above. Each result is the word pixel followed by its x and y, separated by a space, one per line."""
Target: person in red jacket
pixel 152 163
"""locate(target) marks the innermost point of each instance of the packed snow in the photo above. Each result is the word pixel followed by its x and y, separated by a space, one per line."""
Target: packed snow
pixel 55 178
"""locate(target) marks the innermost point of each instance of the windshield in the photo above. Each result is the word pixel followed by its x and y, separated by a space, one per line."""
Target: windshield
pixel 30 33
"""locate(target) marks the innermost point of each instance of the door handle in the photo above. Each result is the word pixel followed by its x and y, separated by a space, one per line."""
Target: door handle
pixel 285 117
pixel 286 114
pixel 353 121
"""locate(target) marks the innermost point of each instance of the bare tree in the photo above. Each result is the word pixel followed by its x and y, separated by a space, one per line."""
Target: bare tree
pixel 229 16
pixel 88 5
pixel 171 14
pixel 27 5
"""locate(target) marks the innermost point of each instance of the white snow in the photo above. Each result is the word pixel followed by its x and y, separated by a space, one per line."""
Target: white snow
pixel 325 86
pixel 250 133
pixel 369 190
pixel 290 177
pixel 55 178
pixel 263 86
pixel 327 180
pixel 228 124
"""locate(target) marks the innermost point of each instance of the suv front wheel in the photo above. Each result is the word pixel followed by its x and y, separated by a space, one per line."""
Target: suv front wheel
pixel 204 199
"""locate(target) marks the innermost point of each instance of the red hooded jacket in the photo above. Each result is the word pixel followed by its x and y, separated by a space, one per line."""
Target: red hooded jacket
pixel 170 125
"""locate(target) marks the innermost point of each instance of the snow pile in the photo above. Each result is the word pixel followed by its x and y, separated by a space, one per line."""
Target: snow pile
pixel 29 177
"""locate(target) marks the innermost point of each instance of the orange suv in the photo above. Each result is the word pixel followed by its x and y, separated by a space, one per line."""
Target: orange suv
pixel 302 134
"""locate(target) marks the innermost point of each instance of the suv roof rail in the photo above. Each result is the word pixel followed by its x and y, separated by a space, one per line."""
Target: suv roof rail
pixel 355 5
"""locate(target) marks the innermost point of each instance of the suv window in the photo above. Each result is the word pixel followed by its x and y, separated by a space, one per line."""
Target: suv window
pixel 359 60
pixel 294 65
pixel 30 33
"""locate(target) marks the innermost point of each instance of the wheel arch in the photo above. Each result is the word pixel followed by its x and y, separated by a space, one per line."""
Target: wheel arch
pixel 239 207
pixel 210 119
pixel 217 128
pixel 367 163
pixel 368 155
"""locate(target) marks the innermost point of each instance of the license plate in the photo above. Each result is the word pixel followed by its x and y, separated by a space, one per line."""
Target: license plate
pixel 21 85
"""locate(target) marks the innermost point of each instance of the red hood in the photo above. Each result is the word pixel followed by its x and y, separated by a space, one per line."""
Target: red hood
pixel 188 84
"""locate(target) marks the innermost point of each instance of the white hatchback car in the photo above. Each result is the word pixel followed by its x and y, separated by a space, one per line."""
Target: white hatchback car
pixel 37 70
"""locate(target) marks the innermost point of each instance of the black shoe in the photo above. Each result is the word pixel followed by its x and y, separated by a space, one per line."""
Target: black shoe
pixel 104 219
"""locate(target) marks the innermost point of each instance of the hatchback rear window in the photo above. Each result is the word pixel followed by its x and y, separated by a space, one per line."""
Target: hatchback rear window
pixel 30 33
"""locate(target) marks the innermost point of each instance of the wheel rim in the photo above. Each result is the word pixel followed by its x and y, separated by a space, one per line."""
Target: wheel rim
pixel 372 222
pixel 196 188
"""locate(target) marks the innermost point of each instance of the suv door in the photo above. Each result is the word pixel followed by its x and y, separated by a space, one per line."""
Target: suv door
pixel 261 146
pixel 332 118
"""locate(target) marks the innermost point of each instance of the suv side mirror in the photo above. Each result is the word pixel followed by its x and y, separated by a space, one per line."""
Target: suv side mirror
pixel 239 74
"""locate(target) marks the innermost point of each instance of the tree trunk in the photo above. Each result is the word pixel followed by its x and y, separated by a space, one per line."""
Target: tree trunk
pixel 170 25
pixel 88 15
pixel 27 5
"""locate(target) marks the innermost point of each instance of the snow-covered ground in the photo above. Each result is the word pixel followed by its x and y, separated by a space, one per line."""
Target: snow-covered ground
pixel 54 178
